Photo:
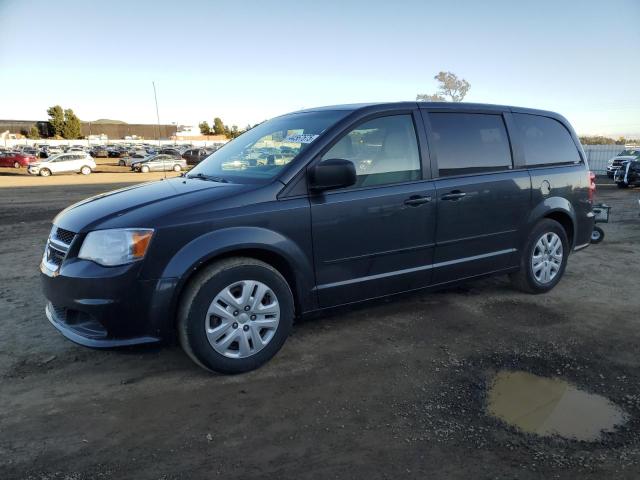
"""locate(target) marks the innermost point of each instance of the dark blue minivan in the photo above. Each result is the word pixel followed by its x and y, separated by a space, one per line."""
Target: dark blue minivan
pixel 315 209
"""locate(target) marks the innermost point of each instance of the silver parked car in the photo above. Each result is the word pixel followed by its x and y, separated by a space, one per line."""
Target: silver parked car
pixel 160 163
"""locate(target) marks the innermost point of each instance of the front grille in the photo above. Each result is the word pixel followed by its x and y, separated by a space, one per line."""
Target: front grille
pixel 65 236
pixel 57 248
pixel 55 256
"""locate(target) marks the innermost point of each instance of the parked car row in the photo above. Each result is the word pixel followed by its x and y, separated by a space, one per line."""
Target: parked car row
pixel 45 160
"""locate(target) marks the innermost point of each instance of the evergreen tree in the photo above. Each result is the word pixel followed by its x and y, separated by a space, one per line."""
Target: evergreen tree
pixel 56 121
pixel 218 126
pixel 205 129
pixel 71 129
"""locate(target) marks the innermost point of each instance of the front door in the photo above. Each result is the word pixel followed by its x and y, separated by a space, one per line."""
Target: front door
pixel 376 237
pixel 482 202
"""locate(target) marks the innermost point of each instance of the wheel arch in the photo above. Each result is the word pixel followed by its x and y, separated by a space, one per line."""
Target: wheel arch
pixel 558 209
pixel 254 242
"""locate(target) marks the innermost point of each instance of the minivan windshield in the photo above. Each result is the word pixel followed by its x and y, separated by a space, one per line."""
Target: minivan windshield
pixel 259 155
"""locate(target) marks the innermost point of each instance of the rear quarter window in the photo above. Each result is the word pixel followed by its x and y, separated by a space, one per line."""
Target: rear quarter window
pixel 545 141
pixel 468 143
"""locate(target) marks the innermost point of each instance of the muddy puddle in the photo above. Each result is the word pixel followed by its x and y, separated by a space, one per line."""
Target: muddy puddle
pixel 551 406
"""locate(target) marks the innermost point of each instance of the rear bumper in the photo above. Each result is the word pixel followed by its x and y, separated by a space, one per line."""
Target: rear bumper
pixel 583 232
pixel 103 307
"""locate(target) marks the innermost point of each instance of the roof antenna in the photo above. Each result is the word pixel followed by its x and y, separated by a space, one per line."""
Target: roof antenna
pixel 155 96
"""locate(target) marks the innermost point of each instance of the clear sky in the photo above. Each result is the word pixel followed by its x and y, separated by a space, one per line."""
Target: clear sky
pixel 246 61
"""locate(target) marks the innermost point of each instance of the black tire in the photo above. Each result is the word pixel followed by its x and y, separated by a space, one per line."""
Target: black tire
pixel 597 235
pixel 524 279
pixel 199 294
pixel 122 163
pixel 16 164
pixel 622 185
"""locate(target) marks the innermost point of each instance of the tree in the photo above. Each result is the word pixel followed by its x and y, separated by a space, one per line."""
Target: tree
pixel 218 126
pixel 71 128
pixel 56 120
pixel 205 129
pixel 232 132
pixel 34 133
pixel 451 88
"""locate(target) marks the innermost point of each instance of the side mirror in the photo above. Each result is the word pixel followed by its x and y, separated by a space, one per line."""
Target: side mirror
pixel 331 174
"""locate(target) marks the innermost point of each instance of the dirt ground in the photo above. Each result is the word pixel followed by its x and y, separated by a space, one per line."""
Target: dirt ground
pixel 394 389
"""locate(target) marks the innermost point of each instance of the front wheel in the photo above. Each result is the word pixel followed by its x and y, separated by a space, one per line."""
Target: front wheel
pixel 597 235
pixel 122 163
pixel 235 315
pixel 544 258
pixel 45 172
pixel 177 168
pixel 144 169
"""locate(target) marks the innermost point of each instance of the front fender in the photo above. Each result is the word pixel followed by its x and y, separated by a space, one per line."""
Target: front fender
pixel 220 242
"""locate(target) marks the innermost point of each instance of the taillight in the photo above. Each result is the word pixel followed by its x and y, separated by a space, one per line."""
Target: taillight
pixel 592 185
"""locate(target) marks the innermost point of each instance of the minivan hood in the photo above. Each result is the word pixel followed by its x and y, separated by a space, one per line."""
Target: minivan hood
pixel 115 209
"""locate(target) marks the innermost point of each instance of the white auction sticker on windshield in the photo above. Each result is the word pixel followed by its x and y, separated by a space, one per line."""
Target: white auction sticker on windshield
pixel 301 138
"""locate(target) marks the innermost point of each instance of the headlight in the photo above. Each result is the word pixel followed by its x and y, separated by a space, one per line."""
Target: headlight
pixel 117 246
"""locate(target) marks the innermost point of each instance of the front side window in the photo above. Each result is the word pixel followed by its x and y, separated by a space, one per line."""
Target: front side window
pixel 467 143
pixel 545 141
pixel 383 151
pixel 261 154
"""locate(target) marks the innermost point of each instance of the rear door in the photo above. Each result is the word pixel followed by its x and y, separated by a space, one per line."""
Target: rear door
pixel 483 201
pixel 376 237
pixel 61 164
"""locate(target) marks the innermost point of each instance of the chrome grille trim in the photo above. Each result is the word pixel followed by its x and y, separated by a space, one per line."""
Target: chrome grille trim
pixel 57 247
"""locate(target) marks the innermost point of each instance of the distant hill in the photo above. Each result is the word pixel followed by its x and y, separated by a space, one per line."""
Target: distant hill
pixel 106 120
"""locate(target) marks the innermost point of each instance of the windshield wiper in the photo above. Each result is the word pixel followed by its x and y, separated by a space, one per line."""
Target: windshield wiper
pixel 211 178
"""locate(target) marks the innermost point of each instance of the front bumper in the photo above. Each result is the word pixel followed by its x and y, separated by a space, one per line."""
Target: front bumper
pixel 104 307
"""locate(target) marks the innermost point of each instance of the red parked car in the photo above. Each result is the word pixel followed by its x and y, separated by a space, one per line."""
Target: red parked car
pixel 16 159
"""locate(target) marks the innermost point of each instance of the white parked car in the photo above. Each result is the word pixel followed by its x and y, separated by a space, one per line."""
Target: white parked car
pixel 78 162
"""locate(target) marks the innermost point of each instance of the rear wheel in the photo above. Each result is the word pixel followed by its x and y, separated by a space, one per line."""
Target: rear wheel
pixel 45 172
pixel 16 164
pixel 85 170
pixel 122 163
pixel 235 315
pixel 544 258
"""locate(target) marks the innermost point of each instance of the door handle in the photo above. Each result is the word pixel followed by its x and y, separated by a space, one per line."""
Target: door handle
pixel 454 195
pixel 416 200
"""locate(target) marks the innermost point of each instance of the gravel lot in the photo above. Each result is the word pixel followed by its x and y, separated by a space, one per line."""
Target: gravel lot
pixel 391 389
